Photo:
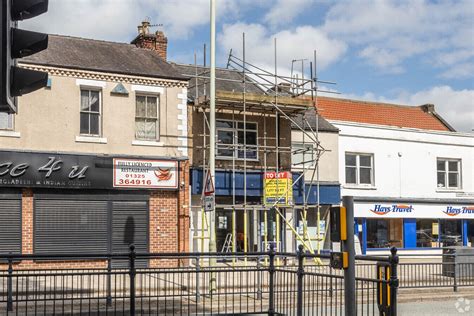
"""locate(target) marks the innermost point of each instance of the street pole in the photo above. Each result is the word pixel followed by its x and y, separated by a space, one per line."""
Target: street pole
pixel 348 246
pixel 212 128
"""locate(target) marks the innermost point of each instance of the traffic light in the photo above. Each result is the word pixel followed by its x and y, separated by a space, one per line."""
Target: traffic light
pixel 338 223
pixel 17 43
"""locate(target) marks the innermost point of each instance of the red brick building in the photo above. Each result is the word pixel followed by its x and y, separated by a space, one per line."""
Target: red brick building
pixel 97 160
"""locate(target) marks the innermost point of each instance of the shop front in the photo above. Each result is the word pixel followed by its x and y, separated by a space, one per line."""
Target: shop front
pixel 245 220
pixel 67 203
pixel 414 226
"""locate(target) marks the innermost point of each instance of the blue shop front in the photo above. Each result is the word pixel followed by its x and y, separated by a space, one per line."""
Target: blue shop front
pixel 414 226
pixel 242 221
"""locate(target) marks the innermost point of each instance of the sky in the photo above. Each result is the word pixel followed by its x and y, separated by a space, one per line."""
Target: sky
pixel 406 52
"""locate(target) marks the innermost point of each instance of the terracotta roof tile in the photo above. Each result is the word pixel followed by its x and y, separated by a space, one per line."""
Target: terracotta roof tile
pixel 380 114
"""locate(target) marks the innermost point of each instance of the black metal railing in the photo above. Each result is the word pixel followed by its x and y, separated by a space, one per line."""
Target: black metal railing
pixel 185 283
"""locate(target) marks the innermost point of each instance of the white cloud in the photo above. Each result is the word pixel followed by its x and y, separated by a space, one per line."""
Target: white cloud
pixel 105 19
pixel 117 20
pixel 284 11
pixel 389 32
pixel 291 44
pixel 454 106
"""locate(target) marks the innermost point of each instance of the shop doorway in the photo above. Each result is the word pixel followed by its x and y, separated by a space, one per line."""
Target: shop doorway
pixel 225 234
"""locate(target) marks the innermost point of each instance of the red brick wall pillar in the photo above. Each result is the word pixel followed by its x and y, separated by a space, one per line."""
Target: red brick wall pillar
pixel 27 221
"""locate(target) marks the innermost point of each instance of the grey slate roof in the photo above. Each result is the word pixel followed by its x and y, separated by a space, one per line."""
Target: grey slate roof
pixel 88 54
pixel 323 125
pixel 221 85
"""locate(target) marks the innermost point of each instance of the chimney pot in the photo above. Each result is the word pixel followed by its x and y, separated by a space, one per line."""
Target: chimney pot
pixel 155 41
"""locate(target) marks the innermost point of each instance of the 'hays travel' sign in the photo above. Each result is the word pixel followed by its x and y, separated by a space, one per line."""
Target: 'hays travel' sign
pixel 380 209
pixel 414 210
pixel 457 210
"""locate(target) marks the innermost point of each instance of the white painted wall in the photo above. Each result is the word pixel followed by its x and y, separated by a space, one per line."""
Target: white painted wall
pixel 413 173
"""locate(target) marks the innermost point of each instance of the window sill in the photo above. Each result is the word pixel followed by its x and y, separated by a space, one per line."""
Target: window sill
pixel 147 143
pixel 6 133
pixel 358 187
pixel 91 139
pixel 449 191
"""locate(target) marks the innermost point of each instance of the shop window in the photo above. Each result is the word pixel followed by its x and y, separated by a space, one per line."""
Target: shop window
pixel 427 233
pixel 146 118
pixel 90 113
pixel 470 232
pixel 384 233
pixel 450 232
pixel 449 173
pixel 360 169
pixel 6 121
pixel 303 155
pixel 236 141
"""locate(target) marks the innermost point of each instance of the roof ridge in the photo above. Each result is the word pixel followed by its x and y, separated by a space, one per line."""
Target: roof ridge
pixel 372 102
pixel 201 66
pixel 91 39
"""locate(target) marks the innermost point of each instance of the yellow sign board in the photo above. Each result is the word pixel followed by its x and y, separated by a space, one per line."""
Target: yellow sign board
pixel 278 189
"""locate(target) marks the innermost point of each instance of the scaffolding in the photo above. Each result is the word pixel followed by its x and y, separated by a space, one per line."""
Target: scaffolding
pixel 280 98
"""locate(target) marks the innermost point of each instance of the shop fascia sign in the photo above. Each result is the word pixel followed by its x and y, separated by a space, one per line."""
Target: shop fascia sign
pixel 399 210
pixel 52 170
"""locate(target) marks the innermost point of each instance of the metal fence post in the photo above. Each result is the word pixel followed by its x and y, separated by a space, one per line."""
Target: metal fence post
pixel 271 271
pixel 350 304
pixel 109 281
pixel 259 279
pixel 10 285
pixel 300 274
pixel 455 280
pixel 131 256
pixel 198 270
pixel 394 282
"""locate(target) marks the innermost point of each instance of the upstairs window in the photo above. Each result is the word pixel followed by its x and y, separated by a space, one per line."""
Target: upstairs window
pixel 303 155
pixel 90 112
pixel 6 121
pixel 146 118
pixel 449 173
pixel 235 141
pixel 360 169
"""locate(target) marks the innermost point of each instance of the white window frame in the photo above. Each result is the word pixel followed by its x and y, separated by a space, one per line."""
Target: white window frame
pixel 88 88
pixel 12 119
pixel 358 167
pixel 158 106
pixel 235 129
pixel 305 153
pixel 447 172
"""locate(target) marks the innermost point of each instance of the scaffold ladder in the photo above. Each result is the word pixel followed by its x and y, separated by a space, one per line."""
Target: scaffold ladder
pixel 227 246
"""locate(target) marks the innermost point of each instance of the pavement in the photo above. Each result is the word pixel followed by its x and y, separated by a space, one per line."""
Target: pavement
pixel 448 307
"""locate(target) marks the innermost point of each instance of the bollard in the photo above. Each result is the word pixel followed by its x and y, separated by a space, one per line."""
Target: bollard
pixel 271 271
pixel 109 281
pixel 300 274
pixel 394 282
pixel 10 285
pixel 132 255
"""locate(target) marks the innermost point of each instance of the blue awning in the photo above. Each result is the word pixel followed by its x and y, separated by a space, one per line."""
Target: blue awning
pixel 329 193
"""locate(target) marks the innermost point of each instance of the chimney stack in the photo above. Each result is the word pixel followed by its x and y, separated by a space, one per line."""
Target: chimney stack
pixel 157 42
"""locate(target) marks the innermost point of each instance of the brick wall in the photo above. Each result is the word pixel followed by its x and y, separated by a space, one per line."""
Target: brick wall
pixel 168 227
